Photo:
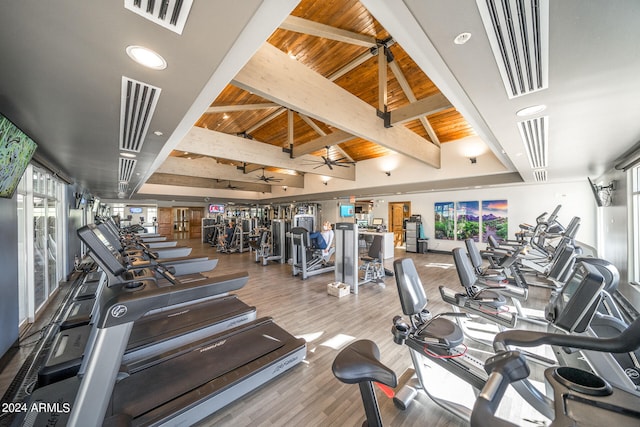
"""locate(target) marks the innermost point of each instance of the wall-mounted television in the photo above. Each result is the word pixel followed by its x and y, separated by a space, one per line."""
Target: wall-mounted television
pixel 346 211
pixel 135 210
pixel 595 191
pixel 216 209
pixel 16 150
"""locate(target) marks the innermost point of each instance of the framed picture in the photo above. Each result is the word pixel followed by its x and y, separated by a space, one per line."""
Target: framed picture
pixel 444 220
pixel 468 220
pixel 494 219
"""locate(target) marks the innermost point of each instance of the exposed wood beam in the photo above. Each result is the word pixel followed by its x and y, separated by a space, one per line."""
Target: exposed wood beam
pixel 305 26
pixel 218 144
pixel 266 120
pixel 193 181
pixel 406 88
pixel 341 72
pixel 290 133
pixel 243 107
pixel 382 80
pixel 350 66
pixel 424 107
pixel 270 73
pixel 336 137
pixel 252 167
pixel 312 124
pixel 339 138
pixel 206 167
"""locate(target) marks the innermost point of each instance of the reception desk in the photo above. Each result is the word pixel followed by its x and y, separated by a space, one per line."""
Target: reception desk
pixel 387 242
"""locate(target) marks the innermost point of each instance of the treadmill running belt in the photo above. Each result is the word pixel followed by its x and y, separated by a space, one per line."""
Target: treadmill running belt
pixel 213 358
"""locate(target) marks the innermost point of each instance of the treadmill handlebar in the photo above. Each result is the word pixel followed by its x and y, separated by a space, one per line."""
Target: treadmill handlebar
pixel 627 341
pixel 121 304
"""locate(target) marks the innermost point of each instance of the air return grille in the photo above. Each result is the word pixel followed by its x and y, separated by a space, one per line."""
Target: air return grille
pixel 125 169
pixel 123 187
pixel 518 32
pixel 136 109
pixel 171 14
pixel 540 175
pixel 534 134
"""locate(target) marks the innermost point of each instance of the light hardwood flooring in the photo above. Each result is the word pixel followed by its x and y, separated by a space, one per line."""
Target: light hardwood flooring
pixel 309 394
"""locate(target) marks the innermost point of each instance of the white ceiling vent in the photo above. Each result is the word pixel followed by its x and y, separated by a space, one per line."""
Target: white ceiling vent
pixel 123 187
pixel 535 135
pixel 137 105
pixel 125 169
pixel 518 32
pixel 540 175
pixel 171 14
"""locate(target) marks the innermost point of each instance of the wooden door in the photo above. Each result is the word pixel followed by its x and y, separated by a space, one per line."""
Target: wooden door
pixel 396 222
pixel 165 221
pixel 195 223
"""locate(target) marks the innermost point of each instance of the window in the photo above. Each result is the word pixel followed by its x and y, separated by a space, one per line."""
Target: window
pixel 40 248
pixel 635 215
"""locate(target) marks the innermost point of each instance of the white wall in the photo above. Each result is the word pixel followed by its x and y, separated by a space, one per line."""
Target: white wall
pixel 526 202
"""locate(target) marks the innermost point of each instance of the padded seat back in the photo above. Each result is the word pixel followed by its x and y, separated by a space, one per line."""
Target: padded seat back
pixel 412 296
pixel 466 273
pixel 375 250
pixel 474 254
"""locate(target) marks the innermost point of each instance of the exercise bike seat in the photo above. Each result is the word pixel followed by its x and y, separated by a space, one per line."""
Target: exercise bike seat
pixel 442 330
pixel 359 362
pixel 414 301
pixel 466 274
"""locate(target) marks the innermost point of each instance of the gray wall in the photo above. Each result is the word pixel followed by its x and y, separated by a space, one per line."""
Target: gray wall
pixel 9 276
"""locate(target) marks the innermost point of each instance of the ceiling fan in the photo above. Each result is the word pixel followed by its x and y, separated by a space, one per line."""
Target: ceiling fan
pixel 268 179
pixel 229 186
pixel 328 161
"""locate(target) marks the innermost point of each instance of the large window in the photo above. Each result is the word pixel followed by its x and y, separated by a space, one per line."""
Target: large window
pixel 635 206
pixel 40 250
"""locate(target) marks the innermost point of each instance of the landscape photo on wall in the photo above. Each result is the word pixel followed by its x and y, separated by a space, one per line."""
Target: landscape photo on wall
pixel 494 219
pixel 468 220
pixel 444 220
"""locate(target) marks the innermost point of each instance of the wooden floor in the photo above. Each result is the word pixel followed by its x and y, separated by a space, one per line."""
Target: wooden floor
pixel 309 395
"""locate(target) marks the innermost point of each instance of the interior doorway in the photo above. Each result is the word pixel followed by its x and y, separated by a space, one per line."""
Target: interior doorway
pixel 398 212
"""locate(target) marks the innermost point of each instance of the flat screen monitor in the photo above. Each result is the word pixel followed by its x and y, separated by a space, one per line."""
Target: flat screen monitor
pixel 596 192
pixel 216 209
pixel 135 210
pixel 16 150
pixel 346 211
pixel 376 221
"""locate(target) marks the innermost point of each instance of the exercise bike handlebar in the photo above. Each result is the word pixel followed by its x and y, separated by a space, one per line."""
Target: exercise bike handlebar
pixel 503 368
pixel 627 341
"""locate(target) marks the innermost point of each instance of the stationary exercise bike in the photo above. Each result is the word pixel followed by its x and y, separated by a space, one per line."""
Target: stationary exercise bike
pixel 579 398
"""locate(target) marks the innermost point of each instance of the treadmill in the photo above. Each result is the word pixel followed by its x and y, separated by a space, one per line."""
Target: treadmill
pixel 112 263
pixel 155 332
pixel 177 387
pixel 195 264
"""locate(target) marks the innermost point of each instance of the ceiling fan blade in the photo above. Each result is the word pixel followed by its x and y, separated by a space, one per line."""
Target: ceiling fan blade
pixel 330 166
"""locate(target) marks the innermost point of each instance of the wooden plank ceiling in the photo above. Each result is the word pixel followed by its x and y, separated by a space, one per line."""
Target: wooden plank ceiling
pixel 342 42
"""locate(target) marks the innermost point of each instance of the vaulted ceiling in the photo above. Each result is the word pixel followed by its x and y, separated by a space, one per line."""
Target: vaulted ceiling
pixel 255 91
pixel 285 97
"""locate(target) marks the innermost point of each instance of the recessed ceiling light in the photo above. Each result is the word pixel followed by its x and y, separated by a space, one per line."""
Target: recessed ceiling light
pixel 146 57
pixel 530 111
pixel 158 133
pixel 462 38
pixel 130 155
